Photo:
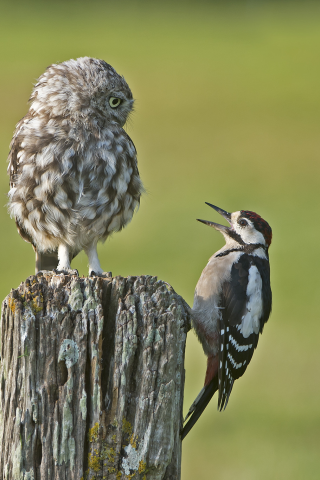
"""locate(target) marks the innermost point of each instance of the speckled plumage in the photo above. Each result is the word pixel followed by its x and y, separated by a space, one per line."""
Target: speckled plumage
pixel 73 169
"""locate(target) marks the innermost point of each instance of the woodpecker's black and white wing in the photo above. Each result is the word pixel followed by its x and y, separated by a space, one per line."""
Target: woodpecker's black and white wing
pixel 245 305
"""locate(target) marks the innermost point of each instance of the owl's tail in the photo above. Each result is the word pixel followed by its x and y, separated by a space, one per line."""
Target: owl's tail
pixel 49 260
pixel 46 261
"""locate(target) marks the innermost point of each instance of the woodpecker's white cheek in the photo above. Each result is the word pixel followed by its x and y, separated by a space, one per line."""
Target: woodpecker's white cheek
pixel 249 234
pixel 251 319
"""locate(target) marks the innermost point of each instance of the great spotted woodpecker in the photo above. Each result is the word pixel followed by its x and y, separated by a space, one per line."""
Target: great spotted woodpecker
pixel 232 302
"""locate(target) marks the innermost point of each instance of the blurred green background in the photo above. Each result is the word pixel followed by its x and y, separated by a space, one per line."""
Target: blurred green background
pixel 228 112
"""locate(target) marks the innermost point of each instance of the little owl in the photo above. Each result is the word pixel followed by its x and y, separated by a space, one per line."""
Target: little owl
pixel 73 169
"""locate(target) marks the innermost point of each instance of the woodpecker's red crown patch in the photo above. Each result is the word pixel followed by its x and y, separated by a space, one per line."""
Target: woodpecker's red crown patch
pixel 260 224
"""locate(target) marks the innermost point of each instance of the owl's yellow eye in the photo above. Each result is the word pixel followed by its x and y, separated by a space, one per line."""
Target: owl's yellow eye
pixel 114 102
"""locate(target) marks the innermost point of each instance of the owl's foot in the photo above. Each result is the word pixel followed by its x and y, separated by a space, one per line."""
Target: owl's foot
pixel 66 271
pixel 45 272
pixel 100 274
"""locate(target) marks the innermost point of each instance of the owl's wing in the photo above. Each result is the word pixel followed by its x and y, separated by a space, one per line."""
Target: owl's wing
pixel 44 261
pixel 14 168
pixel 134 156
pixel 15 148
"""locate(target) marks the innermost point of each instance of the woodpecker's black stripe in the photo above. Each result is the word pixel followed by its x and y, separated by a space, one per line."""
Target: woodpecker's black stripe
pixel 233 234
pixel 245 249
pixel 226 252
pixel 235 350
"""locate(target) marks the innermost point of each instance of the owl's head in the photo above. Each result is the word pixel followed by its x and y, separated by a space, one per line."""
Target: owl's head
pixel 82 88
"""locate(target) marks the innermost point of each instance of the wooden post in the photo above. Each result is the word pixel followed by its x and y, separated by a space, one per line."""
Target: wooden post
pixel 91 379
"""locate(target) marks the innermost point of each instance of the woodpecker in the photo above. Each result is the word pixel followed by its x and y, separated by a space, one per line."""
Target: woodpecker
pixel 232 302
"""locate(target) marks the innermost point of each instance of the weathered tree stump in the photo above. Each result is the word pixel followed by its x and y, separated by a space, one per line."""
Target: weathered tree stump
pixel 91 379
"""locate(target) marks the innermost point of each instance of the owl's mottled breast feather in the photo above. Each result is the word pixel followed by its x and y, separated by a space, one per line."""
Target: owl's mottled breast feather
pixel 72 180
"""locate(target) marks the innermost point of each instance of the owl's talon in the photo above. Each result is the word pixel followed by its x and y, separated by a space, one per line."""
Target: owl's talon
pixel 107 274
pixel 45 272
pixel 102 274
pixel 68 271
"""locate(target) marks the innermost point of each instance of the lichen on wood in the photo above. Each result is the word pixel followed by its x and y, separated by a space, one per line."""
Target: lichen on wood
pixel 91 379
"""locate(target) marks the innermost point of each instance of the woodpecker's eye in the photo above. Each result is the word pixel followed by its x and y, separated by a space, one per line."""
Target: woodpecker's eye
pixel 114 102
pixel 243 222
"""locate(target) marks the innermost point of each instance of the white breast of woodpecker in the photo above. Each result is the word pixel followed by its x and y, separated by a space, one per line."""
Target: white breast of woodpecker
pixel 232 302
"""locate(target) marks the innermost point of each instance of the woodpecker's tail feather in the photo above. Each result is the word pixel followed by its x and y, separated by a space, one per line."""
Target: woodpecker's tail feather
pixel 199 405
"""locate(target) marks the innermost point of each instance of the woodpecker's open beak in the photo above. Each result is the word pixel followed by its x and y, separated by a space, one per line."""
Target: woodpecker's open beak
pixel 221 228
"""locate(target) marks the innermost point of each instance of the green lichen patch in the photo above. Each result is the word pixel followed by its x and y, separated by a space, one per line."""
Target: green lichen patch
pixel 96 397
pixel 37 304
pixel 94 433
pixel 126 427
pixel 91 302
pixel 76 297
pixel 56 443
pixel 67 445
pixel 69 352
pixel 26 324
pixel 32 300
pixel 17 462
pixel 133 440
pixel 11 304
pixel 83 405
pixel 108 453
pixel 29 475
pixel 142 466
pixel 101 461
pixel 103 458
pixel 94 462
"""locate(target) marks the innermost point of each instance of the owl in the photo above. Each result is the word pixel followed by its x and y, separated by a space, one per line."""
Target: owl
pixel 73 170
